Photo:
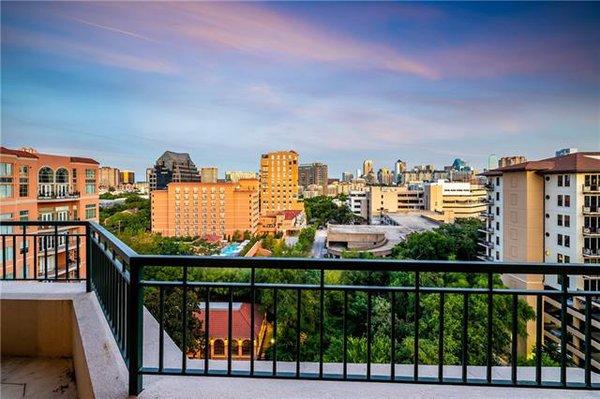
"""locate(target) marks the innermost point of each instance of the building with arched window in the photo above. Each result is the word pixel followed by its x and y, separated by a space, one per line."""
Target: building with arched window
pixel 36 186
pixel 241 338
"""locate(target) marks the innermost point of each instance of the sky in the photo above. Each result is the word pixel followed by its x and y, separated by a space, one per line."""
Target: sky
pixel 338 82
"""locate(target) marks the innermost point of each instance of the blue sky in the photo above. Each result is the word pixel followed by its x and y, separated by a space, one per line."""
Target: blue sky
pixel 338 82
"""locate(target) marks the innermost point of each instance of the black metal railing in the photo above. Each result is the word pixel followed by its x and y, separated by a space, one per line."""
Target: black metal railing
pixel 296 299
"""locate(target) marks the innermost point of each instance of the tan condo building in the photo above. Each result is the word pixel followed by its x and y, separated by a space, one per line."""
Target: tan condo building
pixel 205 209
pixel 279 182
pixel 548 211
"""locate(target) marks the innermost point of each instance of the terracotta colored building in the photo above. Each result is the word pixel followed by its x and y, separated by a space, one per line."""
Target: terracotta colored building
pixel 284 222
pixel 218 330
pixel 205 209
pixel 35 186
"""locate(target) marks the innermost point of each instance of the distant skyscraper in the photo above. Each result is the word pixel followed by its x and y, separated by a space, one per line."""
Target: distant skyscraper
pixel 314 173
pixel 209 174
pixel 460 165
pixel 127 176
pixel 109 177
pixel 399 168
pixel 367 167
pixel 173 167
pixel 385 176
pixel 492 162
pixel 347 176
pixel 358 173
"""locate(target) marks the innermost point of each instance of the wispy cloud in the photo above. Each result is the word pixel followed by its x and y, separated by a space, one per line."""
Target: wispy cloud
pixel 115 30
pixel 87 52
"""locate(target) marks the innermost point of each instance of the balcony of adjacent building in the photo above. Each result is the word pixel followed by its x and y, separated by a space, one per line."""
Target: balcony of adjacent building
pixel 591 188
pixel 590 209
pixel 117 329
pixel 56 192
pixel 592 231
pixel 590 253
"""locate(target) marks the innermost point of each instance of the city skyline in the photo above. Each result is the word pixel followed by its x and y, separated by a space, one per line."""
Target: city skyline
pixel 339 83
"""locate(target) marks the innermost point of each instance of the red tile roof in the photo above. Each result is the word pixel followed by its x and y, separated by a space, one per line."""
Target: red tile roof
pixel 18 153
pixel 579 162
pixel 84 160
pixel 218 320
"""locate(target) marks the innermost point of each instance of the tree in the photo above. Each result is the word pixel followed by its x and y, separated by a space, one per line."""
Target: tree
pixel 322 210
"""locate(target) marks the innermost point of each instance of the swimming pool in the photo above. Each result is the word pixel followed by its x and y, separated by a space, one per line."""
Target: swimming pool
pixel 233 249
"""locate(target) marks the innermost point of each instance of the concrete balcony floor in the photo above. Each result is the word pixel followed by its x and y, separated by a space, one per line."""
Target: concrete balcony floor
pixel 101 373
pixel 29 377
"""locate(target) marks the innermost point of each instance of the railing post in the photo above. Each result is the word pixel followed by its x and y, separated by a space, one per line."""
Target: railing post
pixel 88 258
pixel 135 312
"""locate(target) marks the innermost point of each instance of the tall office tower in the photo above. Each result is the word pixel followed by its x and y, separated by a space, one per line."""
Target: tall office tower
pixel 35 186
pixel 347 176
pixel 127 177
pixel 460 165
pixel 399 169
pixel 205 209
pixel 235 175
pixel 509 161
pixel 279 182
pixel 314 173
pixel 209 174
pixel 548 211
pixel 172 167
pixel 385 176
pixel 367 168
pixel 492 162
pixel 108 177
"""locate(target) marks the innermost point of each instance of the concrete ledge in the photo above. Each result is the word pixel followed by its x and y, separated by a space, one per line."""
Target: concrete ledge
pixel 41 312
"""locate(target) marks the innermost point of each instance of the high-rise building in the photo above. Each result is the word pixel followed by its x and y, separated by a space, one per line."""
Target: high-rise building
pixel 127 177
pixel 347 176
pixel 385 177
pixel 36 186
pixel 399 168
pixel 108 177
pixel 460 165
pixel 367 168
pixel 394 199
pixel 235 175
pixel 492 162
pixel 548 211
pixel 279 182
pixel 205 209
pixel 209 174
pixel 510 161
pixel 172 167
pixel 314 173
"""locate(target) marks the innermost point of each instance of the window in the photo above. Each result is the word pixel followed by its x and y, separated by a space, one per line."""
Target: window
pixel 567 200
pixel 567 221
pixel 567 241
pixel 6 188
pixel 559 220
pixel 567 183
pixel 497 196
pixel 90 181
pixel 6 253
pixel 559 259
pixel 246 347
pixel 74 174
pixel 560 200
pixel 559 239
pixel 497 210
pixel 23 216
pixel 62 175
pixel 567 259
pixel 24 181
pixel 5 169
pixel 560 180
pixel 90 211
pixel 497 181
pixel 46 175
pixel 219 347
